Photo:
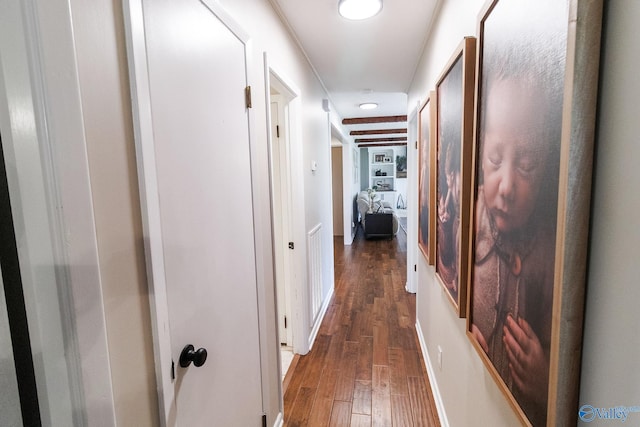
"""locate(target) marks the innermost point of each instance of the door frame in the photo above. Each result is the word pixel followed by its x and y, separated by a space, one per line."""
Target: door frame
pixel 337 196
pixel 281 209
pixel 298 260
pixel 147 179
pixel 412 200
pixel 47 32
pixel 348 185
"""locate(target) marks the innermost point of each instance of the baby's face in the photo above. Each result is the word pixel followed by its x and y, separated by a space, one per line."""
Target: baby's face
pixel 513 155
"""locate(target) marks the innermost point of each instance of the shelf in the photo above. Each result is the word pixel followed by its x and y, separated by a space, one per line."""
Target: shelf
pixel 385 184
pixel 382 161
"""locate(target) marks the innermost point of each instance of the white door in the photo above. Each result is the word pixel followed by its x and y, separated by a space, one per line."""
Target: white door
pixel 278 220
pixel 201 149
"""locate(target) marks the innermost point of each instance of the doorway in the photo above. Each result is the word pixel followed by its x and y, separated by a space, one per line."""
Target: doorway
pixel 337 188
pixel 281 221
pixel 281 140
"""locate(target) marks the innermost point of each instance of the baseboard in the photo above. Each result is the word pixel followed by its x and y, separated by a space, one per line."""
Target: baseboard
pixel 320 318
pixel 409 288
pixel 279 422
pixel 442 415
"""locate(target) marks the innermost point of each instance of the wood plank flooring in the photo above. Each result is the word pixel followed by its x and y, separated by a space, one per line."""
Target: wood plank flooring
pixel 366 367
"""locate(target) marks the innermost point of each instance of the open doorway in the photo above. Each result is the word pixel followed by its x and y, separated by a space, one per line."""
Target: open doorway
pixel 337 189
pixel 280 178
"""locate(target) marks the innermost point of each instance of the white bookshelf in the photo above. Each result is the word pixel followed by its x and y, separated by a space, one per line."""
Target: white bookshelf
pixel 382 173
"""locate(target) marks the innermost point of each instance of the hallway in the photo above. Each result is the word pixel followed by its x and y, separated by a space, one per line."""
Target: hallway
pixel 366 367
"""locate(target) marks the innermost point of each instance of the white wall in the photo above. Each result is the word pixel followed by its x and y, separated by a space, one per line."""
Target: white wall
pixel 103 78
pixel 611 343
pixel 364 168
pixel 454 20
pixel 269 34
pixel 611 346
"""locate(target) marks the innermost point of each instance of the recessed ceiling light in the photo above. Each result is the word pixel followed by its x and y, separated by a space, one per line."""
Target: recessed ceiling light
pixel 359 9
pixel 368 105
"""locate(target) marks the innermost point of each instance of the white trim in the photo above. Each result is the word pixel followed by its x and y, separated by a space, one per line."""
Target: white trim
pixel 413 253
pixel 299 282
pixel 149 202
pixel 320 318
pixel 301 291
pixel 433 383
pixel 279 422
pixel 288 92
pixel 228 21
pixel 280 208
pixel 59 128
pixel 263 241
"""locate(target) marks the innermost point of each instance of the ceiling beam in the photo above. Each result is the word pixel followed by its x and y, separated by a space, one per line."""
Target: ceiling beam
pixel 399 138
pixel 383 145
pixel 377 131
pixel 382 119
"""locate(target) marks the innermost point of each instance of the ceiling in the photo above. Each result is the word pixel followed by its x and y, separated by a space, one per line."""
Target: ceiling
pixel 372 60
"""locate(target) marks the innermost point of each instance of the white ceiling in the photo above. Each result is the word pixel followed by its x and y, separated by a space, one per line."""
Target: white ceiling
pixel 372 60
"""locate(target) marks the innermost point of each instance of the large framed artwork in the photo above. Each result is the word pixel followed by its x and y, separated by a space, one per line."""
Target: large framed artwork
pixel 426 178
pixel 454 143
pixel 534 130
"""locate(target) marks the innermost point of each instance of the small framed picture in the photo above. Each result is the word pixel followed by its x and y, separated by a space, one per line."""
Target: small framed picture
pixel 454 124
pixel 427 178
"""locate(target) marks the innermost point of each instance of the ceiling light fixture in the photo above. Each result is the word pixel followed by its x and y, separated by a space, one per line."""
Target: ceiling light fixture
pixel 359 9
pixel 368 105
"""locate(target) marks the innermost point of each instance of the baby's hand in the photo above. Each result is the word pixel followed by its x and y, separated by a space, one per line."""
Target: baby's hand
pixel 480 338
pixel 527 362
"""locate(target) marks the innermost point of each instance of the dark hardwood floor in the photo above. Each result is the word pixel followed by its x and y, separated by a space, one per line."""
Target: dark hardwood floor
pixel 366 367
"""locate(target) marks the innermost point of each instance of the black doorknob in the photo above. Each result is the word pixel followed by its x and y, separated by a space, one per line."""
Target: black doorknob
pixel 189 354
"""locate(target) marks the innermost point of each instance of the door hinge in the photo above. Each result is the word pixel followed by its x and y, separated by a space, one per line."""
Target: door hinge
pixel 415 267
pixel 173 370
pixel 290 245
pixel 277 131
pixel 247 96
pixel 285 322
pixel 416 145
pixel 264 420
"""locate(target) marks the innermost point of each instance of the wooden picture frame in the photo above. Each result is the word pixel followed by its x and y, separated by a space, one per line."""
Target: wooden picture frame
pixel 536 92
pixel 454 141
pixel 427 178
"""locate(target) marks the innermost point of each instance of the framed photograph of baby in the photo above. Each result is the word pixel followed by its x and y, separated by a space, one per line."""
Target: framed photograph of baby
pixel 534 127
pixel 454 141
pixel 427 178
